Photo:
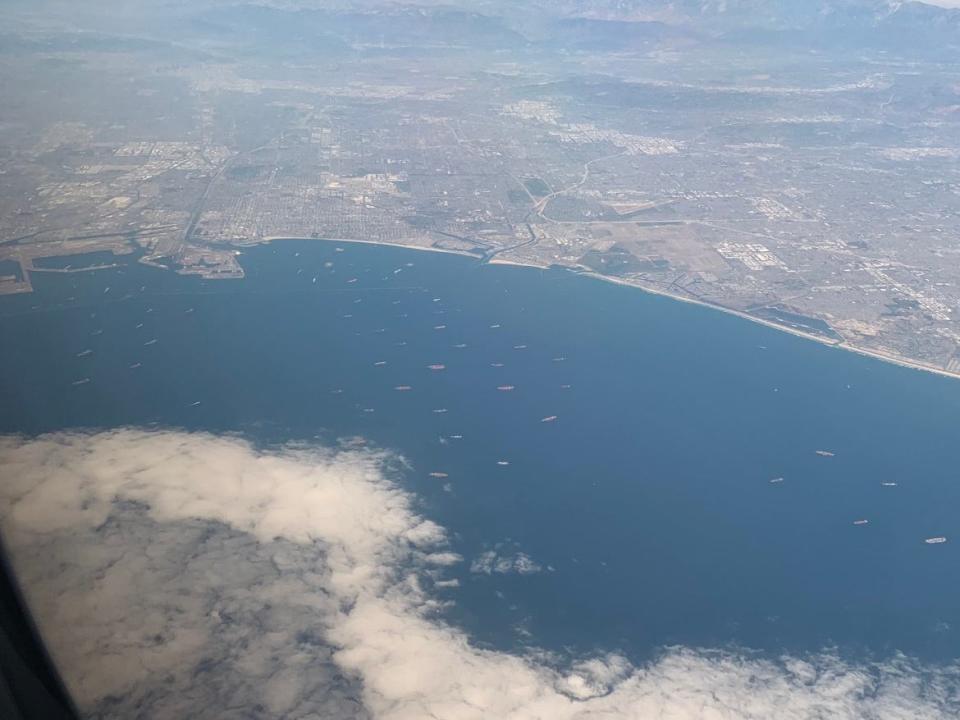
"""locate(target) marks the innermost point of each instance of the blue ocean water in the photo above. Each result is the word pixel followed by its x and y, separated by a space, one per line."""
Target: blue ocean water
pixel 647 502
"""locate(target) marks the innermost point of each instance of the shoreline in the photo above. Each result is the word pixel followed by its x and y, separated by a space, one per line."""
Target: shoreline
pixel 840 345
pixel 448 251
pixel 579 270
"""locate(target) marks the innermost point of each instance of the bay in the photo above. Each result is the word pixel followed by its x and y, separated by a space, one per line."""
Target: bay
pixel 642 516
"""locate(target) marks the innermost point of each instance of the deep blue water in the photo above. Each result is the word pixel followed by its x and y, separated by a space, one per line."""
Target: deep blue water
pixel 649 496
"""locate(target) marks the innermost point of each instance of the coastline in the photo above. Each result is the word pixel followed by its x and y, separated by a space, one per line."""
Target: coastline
pixel 448 251
pixel 840 345
pixel 583 271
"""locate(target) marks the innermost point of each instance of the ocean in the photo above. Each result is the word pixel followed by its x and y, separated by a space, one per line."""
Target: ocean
pixel 617 498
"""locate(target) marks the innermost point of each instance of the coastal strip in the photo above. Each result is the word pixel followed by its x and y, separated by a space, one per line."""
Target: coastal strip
pixel 587 272
pixel 580 270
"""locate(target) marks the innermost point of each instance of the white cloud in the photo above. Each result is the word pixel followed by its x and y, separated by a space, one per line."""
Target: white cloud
pixel 185 573
pixel 492 561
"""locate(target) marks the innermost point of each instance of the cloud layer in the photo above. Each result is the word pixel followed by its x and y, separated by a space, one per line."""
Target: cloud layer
pixel 184 575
